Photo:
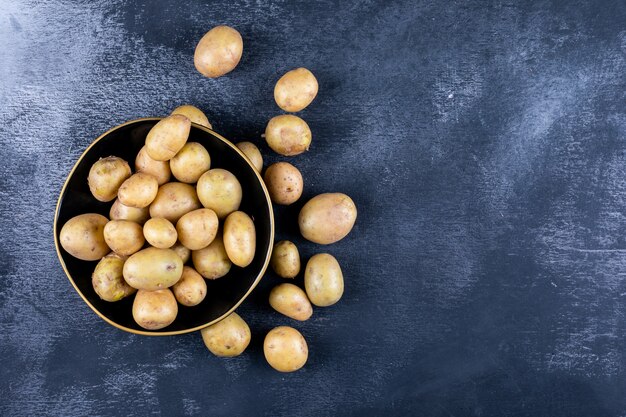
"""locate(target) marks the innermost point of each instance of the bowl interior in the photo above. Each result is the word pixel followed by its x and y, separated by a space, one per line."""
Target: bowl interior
pixel 224 294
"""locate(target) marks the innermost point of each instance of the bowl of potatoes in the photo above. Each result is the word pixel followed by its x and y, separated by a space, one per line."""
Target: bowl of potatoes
pixel 163 226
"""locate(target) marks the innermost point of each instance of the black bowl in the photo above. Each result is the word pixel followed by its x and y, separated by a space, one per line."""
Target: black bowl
pixel 223 295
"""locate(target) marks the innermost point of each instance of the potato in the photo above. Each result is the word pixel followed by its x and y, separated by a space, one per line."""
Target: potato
pixel 291 301
pixel 295 90
pixel 155 310
pixel 327 218
pixel 197 229
pixel 121 212
pixel 153 269
pixel 251 152
pixel 240 238
pixel 173 200
pixel 285 259
pixel 160 233
pixel 284 183
pixel 108 281
pixel 181 251
pixel 323 280
pixel 218 52
pixel 123 237
pixel 190 162
pixel 194 114
pixel 83 237
pixel 220 191
pixel 288 135
pixel 106 176
pixel 228 337
pixel 212 262
pixel 167 137
pixel 138 191
pixel 158 169
pixel 285 349
pixel 190 290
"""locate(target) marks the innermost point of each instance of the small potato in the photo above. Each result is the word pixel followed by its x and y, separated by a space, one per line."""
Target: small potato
pixel 251 152
pixel 285 349
pixel 83 237
pixel 155 310
pixel 323 280
pixel 240 238
pixel 190 162
pixel 106 176
pixel 153 269
pixel 220 191
pixel 285 259
pixel 138 191
pixel 212 262
pixel 327 218
pixel 288 135
pixel 291 301
pixel 284 183
pixel 197 229
pixel 160 233
pixel 121 212
pixel 158 169
pixel 194 114
pixel 123 237
pixel 173 200
pixel 295 90
pixel 167 137
pixel 218 52
pixel 182 251
pixel 108 281
pixel 190 290
pixel 228 337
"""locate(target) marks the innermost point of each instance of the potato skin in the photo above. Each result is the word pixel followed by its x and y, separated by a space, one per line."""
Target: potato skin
pixel 284 183
pixel 295 90
pixel 218 52
pixel 198 228
pixel 285 349
pixel 82 237
pixel 285 259
pixel 251 152
pixel 240 238
pixel 160 233
pixel 220 191
pixel 105 177
pixel 194 114
pixel 190 290
pixel 173 200
pixel 288 135
pixel 323 280
pixel 153 269
pixel 212 262
pixel 155 310
pixel 108 281
pixel 121 212
pixel 123 237
pixel 228 337
pixel 290 300
pixel 327 218
pixel 167 137
pixel 158 169
pixel 182 251
pixel 138 191
pixel 190 162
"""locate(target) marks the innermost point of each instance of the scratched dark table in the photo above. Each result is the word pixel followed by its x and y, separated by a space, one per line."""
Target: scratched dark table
pixel 483 142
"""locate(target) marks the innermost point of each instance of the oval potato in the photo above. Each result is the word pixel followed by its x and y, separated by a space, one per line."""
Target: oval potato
pixel 82 237
pixel 288 135
pixel 290 300
pixel 295 90
pixel 181 251
pixel 218 52
pixel 158 169
pixel 123 237
pixel 285 349
pixel 138 191
pixel 160 233
pixel 327 218
pixel 220 191
pixel 284 183
pixel 190 162
pixel 323 280
pixel 121 212
pixel 153 269
pixel 285 259
pixel 105 177
pixel 212 262
pixel 194 114
pixel 190 290
pixel 167 137
pixel 240 238
pixel 198 228
pixel 253 153
pixel 173 200
pixel 108 281
pixel 228 337
pixel 155 310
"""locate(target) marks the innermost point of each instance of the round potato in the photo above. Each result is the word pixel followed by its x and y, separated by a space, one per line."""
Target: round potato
pixel 295 90
pixel 138 191
pixel 108 281
pixel 194 114
pixel 284 183
pixel 288 135
pixel 197 229
pixel 327 218
pixel 218 52
pixel 323 280
pixel 220 191
pixel 228 337
pixel 160 233
pixel 190 290
pixel 158 169
pixel 291 301
pixel 251 152
pixel 121 212
pixel 285 349
pixel 153 269
pixel 240 238
pixel 167 137
pixel 181 251
pixel 123 237
pixel 155 310
pixel 212 262
pixel 190 162
pixel 106 176
pixel 83 237
pixel 173 200
pixel 285 259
